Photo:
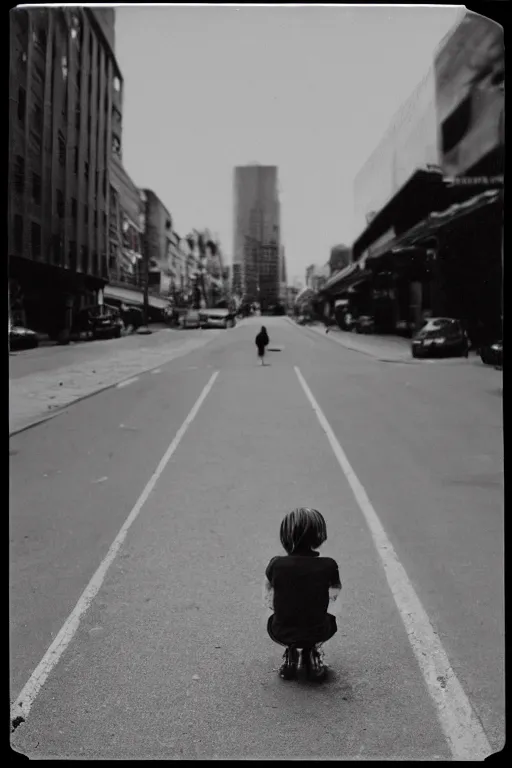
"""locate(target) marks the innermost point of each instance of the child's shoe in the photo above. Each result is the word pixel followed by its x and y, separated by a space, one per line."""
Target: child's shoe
pixel 288 669
pixel 313 662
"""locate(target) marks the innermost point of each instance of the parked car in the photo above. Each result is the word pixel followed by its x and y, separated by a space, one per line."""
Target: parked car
pixel 191 319
pixel 22 338
pixel 99 322
pixel 365 324
pixel 441 336
pixel 217 318
pixel 492 354
pixel 132 316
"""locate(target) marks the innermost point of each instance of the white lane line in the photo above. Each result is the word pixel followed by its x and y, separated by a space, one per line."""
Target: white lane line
pixel 461 726
pixel 21 707
pixel 157 370
pixel 127 382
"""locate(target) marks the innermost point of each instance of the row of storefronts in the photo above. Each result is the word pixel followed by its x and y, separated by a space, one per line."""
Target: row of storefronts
pixel 434 246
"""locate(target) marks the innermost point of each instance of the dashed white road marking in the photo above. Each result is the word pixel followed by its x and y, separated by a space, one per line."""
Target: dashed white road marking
pixel 127 382
pixel 157 370
pixel 21 707
pixel 461 726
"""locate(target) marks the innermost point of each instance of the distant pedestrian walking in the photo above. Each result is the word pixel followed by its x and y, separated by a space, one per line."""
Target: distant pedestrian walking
pixel 262 341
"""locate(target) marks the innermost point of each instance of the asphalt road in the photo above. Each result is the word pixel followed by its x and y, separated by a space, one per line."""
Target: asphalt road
pixel 172 660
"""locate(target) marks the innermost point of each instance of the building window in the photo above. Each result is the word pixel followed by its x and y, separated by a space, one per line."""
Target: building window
pixel 77 118
pixel 84 259
pixel 22 104
pixel 95 263
pixel 74 208
pixel 86 170
pixel 86 214
pixel 38 73
pixel 57 249
pixel 456 126
pixel 18 233
pixel 116 145
pixel 72 256
pixel 37 114
pixel 75 26
pixel 39 39
pixel 36 240
pixel 95 219
pixel 104 221
pixel 62 148
pixel 36 188
pixel 19 174
pixel 60 203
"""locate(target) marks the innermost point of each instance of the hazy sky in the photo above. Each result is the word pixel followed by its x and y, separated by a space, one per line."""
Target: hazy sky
pixel 310 89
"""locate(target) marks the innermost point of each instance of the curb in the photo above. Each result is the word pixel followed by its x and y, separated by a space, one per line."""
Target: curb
pixel 58 411
pixel 397 360
pixel 354 349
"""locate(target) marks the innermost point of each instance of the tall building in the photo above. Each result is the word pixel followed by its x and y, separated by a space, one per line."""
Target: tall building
pixel 257 233
pixel 126 207
pixel 157 240
pixel 62 81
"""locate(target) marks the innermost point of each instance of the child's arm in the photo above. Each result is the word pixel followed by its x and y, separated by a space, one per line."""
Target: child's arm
pixel 335 585
pixel 333 593
pixel 268 595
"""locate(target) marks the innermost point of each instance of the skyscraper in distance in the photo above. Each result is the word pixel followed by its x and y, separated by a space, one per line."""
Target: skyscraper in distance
pixel 256 234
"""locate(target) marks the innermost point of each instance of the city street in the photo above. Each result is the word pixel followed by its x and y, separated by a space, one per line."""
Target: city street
pixel 167 655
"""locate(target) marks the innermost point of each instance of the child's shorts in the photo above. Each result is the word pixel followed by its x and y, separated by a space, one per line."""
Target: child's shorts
pixel 303 639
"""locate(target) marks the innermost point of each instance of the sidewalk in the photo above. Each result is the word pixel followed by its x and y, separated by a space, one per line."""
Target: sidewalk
pixel 38 396
pixel 387 349
pixel 384 348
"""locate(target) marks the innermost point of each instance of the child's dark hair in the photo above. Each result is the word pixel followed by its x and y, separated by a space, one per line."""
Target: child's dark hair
pixel 303 528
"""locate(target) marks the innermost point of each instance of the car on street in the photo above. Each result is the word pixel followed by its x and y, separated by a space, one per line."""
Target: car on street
pixel 132 317
pixel 99 322
pixel 441 337
pixel 492 354
pixel 191 319
pixel 22 338
pixel 365 324
pixel 217 318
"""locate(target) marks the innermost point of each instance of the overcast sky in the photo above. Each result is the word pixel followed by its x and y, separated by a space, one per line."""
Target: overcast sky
pixel 310 89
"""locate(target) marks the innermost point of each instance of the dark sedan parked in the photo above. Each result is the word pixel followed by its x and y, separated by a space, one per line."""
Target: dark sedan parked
pixel 492 354
pixel 365 324
pixel 441 337
pixel 22 338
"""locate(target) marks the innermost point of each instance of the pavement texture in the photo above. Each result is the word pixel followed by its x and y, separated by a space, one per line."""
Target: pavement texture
pixel 172 659
pixel 43 381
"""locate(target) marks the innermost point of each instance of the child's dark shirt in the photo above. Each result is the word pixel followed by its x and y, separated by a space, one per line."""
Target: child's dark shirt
pixel 301 596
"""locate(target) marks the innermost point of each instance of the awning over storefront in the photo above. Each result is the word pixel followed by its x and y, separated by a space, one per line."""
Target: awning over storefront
pixel 340 276
pixel 347 279
pixel 304 295
pixel 133 297
pixel 427 228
